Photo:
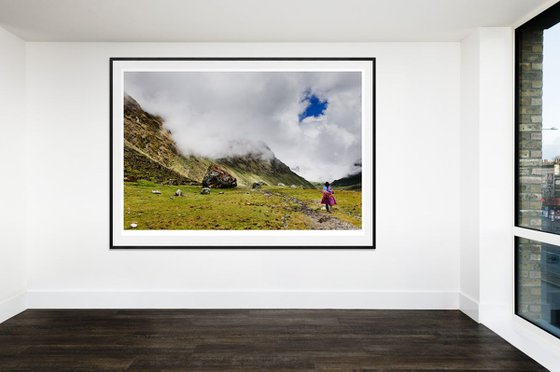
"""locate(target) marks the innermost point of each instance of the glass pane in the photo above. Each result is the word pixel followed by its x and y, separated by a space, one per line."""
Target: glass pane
pixel 538 284
pixel 538 140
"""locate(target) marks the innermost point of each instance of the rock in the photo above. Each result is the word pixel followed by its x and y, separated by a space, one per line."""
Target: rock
pixel 205 191
pixel 221 193
pixel 218 178
pixel 157 192
pixel 178 192
pixel 134 225
pixel 172 182
pixel 281 184
pixel 293 187
pixel 259 184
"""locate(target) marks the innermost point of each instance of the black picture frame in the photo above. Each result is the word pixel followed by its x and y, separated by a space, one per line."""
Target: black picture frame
pixel 113 246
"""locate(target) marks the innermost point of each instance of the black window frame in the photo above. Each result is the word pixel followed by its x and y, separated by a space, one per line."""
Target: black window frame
pixel 545 20
pixel 550 17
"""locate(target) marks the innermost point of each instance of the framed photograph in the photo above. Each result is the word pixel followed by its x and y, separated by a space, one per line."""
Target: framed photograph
pixel 242 153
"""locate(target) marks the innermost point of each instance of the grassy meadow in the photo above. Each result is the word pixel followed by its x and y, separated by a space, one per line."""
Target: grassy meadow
pixel 267 208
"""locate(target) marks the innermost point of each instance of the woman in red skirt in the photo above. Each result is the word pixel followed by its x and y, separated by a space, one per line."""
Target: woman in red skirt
pixel 328 197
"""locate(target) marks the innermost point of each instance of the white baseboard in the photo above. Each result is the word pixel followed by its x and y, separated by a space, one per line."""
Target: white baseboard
pixel 469 306
pixel 12 306
pixel 536 343
pixel 243 299
pixel 494 312
pixel 484 312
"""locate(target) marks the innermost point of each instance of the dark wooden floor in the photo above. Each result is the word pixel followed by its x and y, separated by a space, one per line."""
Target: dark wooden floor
pixel 253 340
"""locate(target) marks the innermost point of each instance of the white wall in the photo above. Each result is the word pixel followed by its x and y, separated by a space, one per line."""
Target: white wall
pixel 487 131
pixel 416 264
pixel 12 162
pixel 487 173
pixel 496 172
pixel 470 193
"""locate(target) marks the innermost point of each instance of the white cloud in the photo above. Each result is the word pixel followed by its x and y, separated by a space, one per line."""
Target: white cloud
pixel 216 114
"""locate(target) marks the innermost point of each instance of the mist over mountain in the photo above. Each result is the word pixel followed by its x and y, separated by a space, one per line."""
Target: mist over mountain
pixel 151 153
pixel 310 120
pixel 353 180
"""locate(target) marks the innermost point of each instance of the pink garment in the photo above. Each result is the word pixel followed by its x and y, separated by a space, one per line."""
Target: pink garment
pixel 328 197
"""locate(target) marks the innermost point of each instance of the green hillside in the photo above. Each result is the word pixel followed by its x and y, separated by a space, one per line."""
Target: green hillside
pixel 351 182
pixel 152 154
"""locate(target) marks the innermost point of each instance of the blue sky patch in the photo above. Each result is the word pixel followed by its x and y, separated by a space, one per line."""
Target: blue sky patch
pixel 315 106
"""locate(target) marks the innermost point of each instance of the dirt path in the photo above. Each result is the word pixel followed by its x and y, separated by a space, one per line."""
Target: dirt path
pixel 320 221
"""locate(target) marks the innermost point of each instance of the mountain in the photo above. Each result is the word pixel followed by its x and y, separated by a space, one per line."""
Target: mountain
pixel 151 153
pixel 353 182
pixel 254 167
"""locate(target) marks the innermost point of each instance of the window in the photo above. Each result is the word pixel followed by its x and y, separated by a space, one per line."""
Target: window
pixel 537 169
pixel 538 283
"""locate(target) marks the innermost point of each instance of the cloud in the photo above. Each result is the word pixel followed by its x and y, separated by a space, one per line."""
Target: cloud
pixel 550 145
pixel 216 114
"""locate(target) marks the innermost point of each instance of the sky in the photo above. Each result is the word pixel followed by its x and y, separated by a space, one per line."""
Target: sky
pixel 551 92
pixel 310 120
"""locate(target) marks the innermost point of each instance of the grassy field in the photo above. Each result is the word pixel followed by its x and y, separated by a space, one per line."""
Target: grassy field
pixel 269 208
pixel 348 207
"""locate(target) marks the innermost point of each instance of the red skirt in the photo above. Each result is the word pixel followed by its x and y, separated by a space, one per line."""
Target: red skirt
pixel 328 199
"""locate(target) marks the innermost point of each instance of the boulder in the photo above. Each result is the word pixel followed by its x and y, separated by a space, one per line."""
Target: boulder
pixel 157 192
pixel 205 191
pixel 259 184
pixel 178 192
pixel 218 178
pixel 281 184
pixel 293 187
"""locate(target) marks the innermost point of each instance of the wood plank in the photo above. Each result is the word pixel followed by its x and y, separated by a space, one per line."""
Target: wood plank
pixel 253 340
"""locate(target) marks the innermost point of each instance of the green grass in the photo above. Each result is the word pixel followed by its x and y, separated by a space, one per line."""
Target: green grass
pixel 235 209
pixel 348 207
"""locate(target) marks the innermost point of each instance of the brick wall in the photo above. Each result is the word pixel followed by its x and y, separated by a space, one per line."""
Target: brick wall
pixel 531 172
pixel 529 296
pixel 530 130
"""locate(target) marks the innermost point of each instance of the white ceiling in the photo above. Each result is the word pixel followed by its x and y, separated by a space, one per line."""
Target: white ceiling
pixel 257 20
